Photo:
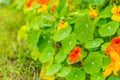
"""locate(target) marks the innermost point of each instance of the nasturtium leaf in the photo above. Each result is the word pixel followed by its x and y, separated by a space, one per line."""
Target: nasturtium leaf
pixel 107 11
pixel 106 62
pixel 93 43
pixel 76 74
pixel 108 29
pixel 69 43
pixel 35 54
pixel 84 29
pixel 93 63
pixel 33 38
pixel 113 77
pixel 95 2
pixel 84 54
pixel 53 69
pixel 47 54
pixel 61 5
pixel 62 33
pixel 104 46
pixel 97 76
pixel 22 34
pixel 64 72
pixel 118 32
pixel 44 41
pixel 60 57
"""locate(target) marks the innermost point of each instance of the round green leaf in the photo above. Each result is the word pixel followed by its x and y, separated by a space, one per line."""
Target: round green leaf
pixel 84 28
pixel 95 2
pixel 60 57
pixel 69 43
pixel 97 76
pixel 62 33
pixel 53 69
pixel 47 54
pixel 104 46
pixel 64 72
pixel 76 74
pixel 93 43
pixel 93 63
pixel 112 77
pixel 108 29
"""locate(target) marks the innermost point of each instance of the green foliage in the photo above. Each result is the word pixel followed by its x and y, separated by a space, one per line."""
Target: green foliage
pixel 84 28
pixel 55 33
pixel 109 29
pixel 93 63
pixel 76 74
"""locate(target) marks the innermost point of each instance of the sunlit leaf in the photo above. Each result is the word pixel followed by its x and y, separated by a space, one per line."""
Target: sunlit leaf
pixel 93 43
pixel 93 63
pixel 84 29
pixel 76 74
pixel 53 69
pixel 108 29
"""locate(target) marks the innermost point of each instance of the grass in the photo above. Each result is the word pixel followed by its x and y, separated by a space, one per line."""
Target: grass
pixel 15 62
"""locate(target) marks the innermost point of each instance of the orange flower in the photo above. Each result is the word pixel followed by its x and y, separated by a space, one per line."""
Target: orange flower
pixel 68 1
pixel 29 4
pixel 114 46
pixel 75 55
pixel 62 25
pixel 114 66
pixel 93 13
pixel 43 2
pixel 114 51
pixel 54 6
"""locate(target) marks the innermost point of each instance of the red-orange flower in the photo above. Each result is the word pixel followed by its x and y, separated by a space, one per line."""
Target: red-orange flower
pixel 29 3
pixel 43 2
pixel 75 55
pixel 114 51
pixel 114 46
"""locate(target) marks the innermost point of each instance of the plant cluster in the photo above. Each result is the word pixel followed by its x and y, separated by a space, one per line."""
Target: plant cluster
pixel 73 39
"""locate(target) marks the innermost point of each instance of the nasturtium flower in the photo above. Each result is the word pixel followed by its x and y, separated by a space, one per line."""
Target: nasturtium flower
pixel 54 5
pixel 116 13
pixel 114 46
pixel 113 50
pixel 29 3
pixel 43 2
pixel 75 55
pixel 93 13
pixel 114 66
pixel 42 9
pixel 62 25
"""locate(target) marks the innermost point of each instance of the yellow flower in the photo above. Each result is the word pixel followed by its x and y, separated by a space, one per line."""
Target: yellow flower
pixel 24 27
pixel 114 66
pixel 116 13
pixel 44 7
pixel 62 25
pixel 93 13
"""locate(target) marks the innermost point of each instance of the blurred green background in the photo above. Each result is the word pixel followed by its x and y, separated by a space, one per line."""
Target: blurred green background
pixel 15 62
